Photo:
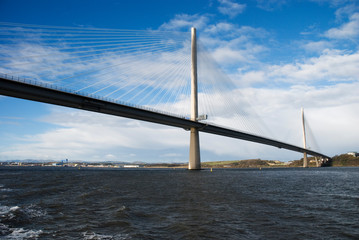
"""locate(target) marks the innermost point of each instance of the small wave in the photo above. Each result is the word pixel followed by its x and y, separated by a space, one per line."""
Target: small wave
pixel 92 235
pixel 3 189
pixel 340 195
pixel 122 212
pixel 33 211
pixel 20 233
pixel 121 209
pixel 348 196
pixel 6 190
pixel 4 230
pixel 21 214
pixel 14 208
pixel 12 217
pixel 7 232
pixel 8 212
pixel 96 236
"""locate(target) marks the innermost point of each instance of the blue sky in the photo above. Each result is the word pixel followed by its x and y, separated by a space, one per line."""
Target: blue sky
pixel 282 55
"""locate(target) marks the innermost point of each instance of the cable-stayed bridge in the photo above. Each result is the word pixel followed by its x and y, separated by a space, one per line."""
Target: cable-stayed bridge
pixel 144 75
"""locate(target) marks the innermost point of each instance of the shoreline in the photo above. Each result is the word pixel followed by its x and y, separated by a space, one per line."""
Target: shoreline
pixel 343 160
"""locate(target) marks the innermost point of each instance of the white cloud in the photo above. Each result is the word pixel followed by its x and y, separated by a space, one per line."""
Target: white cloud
pixel 220 28
pixel 324 86
pixel 185 22
pixel 231 45
pixel 228 42
pixel 332 65
pixel 226 55
pixel 330 111
pixel 230 8
pixel 317 46
pixel 345 11
pixel 250 78
pixel 348 30
pixel 83 135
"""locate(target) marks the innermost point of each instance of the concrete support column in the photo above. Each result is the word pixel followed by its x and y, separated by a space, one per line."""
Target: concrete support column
pixel 305 160
pixel 194 150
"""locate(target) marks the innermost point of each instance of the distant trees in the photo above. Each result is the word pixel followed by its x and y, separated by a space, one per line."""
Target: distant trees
pixel 345 160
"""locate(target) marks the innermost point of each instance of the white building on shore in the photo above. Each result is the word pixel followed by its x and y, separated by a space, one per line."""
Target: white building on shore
pixel 354 154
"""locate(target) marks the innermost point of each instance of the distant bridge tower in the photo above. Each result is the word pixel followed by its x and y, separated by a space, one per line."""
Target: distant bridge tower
pixel 305 159
pixel 194 151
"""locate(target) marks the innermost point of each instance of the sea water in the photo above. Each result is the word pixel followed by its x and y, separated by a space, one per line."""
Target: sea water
pixel 288 203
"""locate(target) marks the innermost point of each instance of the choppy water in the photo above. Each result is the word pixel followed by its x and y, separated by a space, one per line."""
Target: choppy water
pixel 65 203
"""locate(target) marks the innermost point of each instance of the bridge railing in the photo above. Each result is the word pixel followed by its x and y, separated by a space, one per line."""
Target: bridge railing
pixel 81 93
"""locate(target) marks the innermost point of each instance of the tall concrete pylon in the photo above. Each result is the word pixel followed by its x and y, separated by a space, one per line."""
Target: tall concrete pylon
pixel 305 159
pixel 194 150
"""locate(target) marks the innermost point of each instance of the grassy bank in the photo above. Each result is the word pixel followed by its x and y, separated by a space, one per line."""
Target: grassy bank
pixel 251 163
pixel 343 160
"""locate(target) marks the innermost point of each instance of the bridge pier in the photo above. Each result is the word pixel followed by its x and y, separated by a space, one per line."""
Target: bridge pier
pixel 305 160
pixel 317 161
pixel 194 150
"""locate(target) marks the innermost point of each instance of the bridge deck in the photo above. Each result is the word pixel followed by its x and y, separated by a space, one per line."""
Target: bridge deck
pixel 39 93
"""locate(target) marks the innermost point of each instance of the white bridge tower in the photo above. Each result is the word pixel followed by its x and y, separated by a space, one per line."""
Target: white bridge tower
pixel 305 159
pixel 194 150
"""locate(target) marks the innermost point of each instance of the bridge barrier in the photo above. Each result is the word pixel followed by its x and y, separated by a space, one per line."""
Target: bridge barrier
pixel 81 93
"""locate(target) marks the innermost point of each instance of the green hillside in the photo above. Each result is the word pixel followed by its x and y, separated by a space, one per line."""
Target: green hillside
pixel 251 163
pixel 345 160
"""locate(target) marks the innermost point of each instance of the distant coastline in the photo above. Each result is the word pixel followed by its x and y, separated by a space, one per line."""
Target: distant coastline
pixel 343 160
